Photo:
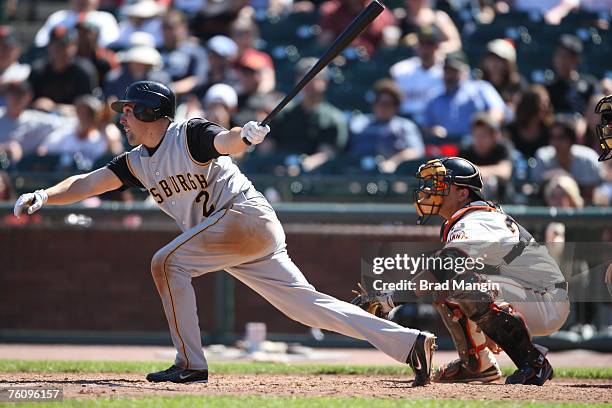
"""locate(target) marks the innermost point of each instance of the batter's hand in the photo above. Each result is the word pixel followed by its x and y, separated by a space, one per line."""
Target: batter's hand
pixel 30 202
pixel 254 133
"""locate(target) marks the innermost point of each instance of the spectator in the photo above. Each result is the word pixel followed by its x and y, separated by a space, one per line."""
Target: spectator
pixel 491 153
pixel 310 126
pixel 22 129
pixel 420 77
pixel 449 114
pixel 103 59
pixel 569 90
pixel 251 101
pixel 562 191
pixel 222 52
pixel 63 76
pixel 337 15
pixel 553 10
pixel 183 59
pixel 82 141
pixel 245 34
pixel 81 9
pixel 499 68
pixel 220 104
pixel 216 18
pixel 419 14
pixel 531 126
pixel 10 52
pixel 383 134
pixel 140 16
pixel 565 156
pixel 139 63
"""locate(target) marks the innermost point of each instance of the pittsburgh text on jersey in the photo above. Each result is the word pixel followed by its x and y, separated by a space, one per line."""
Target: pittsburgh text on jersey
pixel 177 184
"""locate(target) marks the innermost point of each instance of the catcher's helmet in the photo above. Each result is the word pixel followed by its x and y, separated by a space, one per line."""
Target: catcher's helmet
pixel 152 101
pixel 435 178
pixel 604 128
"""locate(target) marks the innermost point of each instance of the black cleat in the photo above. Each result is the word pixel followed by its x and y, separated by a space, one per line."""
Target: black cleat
pixel 532 375
pixel 180 375
pixel 457 372
pixel 420 358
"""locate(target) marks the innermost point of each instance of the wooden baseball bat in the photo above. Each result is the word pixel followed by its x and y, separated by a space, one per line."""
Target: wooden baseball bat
pixel 348 35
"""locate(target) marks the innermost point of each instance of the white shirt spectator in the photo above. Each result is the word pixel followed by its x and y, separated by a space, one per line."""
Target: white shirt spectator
pixel 104 21
pixel 418 85
pixel 29 129
pixel 585 168
pixel 65 141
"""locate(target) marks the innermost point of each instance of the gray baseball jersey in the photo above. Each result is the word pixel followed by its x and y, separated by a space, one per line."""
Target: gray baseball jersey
pixel 185 189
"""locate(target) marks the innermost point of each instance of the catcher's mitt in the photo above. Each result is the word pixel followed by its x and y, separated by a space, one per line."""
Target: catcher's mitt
pixel 378 303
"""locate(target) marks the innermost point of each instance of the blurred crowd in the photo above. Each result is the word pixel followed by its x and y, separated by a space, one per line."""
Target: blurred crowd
pixel 534 140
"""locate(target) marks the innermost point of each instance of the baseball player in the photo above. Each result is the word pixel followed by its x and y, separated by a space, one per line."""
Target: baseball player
pixel 225 223
pixel 604 129
pixel 525 292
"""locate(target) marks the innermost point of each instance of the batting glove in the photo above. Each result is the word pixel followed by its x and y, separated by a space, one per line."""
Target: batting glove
pixel 254 133
pixel 30 201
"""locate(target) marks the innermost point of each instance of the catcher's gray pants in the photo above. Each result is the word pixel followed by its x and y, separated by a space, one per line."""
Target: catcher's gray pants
pixel 248 241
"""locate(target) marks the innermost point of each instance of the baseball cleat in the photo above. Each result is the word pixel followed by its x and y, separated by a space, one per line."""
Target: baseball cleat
pixel 532 375
pixel 420 358
pixel 180 375
pixel 456 372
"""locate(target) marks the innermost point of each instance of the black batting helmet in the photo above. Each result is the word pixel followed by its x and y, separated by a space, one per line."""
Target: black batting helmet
pixel 152 101
pixel 435 178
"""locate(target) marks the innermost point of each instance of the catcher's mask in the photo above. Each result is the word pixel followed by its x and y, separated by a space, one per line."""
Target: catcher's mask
pixel 435 179
pixel 604 128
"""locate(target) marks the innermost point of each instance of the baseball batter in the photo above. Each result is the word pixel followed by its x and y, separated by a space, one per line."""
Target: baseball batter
pixel 517 291
pixel 226 224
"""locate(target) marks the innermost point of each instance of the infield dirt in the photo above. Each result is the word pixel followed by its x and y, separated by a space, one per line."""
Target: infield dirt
pixel 85 386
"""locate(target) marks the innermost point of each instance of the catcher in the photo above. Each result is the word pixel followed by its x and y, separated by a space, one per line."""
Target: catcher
pixel 531 295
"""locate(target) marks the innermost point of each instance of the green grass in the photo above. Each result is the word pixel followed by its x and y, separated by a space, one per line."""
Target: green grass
pixel 284 402
pixel 51 366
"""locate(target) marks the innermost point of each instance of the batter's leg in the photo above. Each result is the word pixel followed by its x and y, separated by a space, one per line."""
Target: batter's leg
pixel 279 281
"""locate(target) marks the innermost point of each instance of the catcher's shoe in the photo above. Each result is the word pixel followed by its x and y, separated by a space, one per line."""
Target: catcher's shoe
pixel 532 375
pixel 456 372
pixel 420 358
pixel 177 374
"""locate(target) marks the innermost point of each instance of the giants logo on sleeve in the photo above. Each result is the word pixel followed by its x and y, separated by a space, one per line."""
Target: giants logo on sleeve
pixel 458 233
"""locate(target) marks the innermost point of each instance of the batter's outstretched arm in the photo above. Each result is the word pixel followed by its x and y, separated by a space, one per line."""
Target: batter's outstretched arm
pixel 70 190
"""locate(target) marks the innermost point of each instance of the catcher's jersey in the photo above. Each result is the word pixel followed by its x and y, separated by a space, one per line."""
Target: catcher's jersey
pixel 490 234
pixel 185 189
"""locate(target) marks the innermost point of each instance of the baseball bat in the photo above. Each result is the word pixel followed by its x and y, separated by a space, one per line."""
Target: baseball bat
pixel 344 39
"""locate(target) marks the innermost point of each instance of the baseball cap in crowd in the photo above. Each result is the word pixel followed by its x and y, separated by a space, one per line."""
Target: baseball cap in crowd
pixel 142 9
pixel 62 34
pixel 457 60
pixel 503 49
pixel 143 55
pixel 222 93
pixel 223 46
pixel 429 34
pixel 304 65
pixel 484 119
pixel 8 36
pixel 571 43
pixel 253 61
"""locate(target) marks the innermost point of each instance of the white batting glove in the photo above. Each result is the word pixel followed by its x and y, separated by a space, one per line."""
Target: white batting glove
pixel 254 133
pixel 30 202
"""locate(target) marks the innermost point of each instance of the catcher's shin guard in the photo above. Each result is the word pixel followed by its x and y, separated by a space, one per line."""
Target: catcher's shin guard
pixel 476 362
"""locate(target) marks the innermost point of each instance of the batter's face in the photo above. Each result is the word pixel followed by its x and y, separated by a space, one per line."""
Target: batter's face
pixel 135 130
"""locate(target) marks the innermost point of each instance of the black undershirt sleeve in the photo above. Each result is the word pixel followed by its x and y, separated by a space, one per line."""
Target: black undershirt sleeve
pixel 119 166
pixel 201 139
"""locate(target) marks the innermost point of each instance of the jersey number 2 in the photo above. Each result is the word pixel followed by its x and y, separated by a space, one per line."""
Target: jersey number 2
pixel 206 196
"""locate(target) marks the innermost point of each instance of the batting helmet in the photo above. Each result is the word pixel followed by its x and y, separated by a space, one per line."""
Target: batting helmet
pixel 435 178
pixel 152 101
pixel 604 128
